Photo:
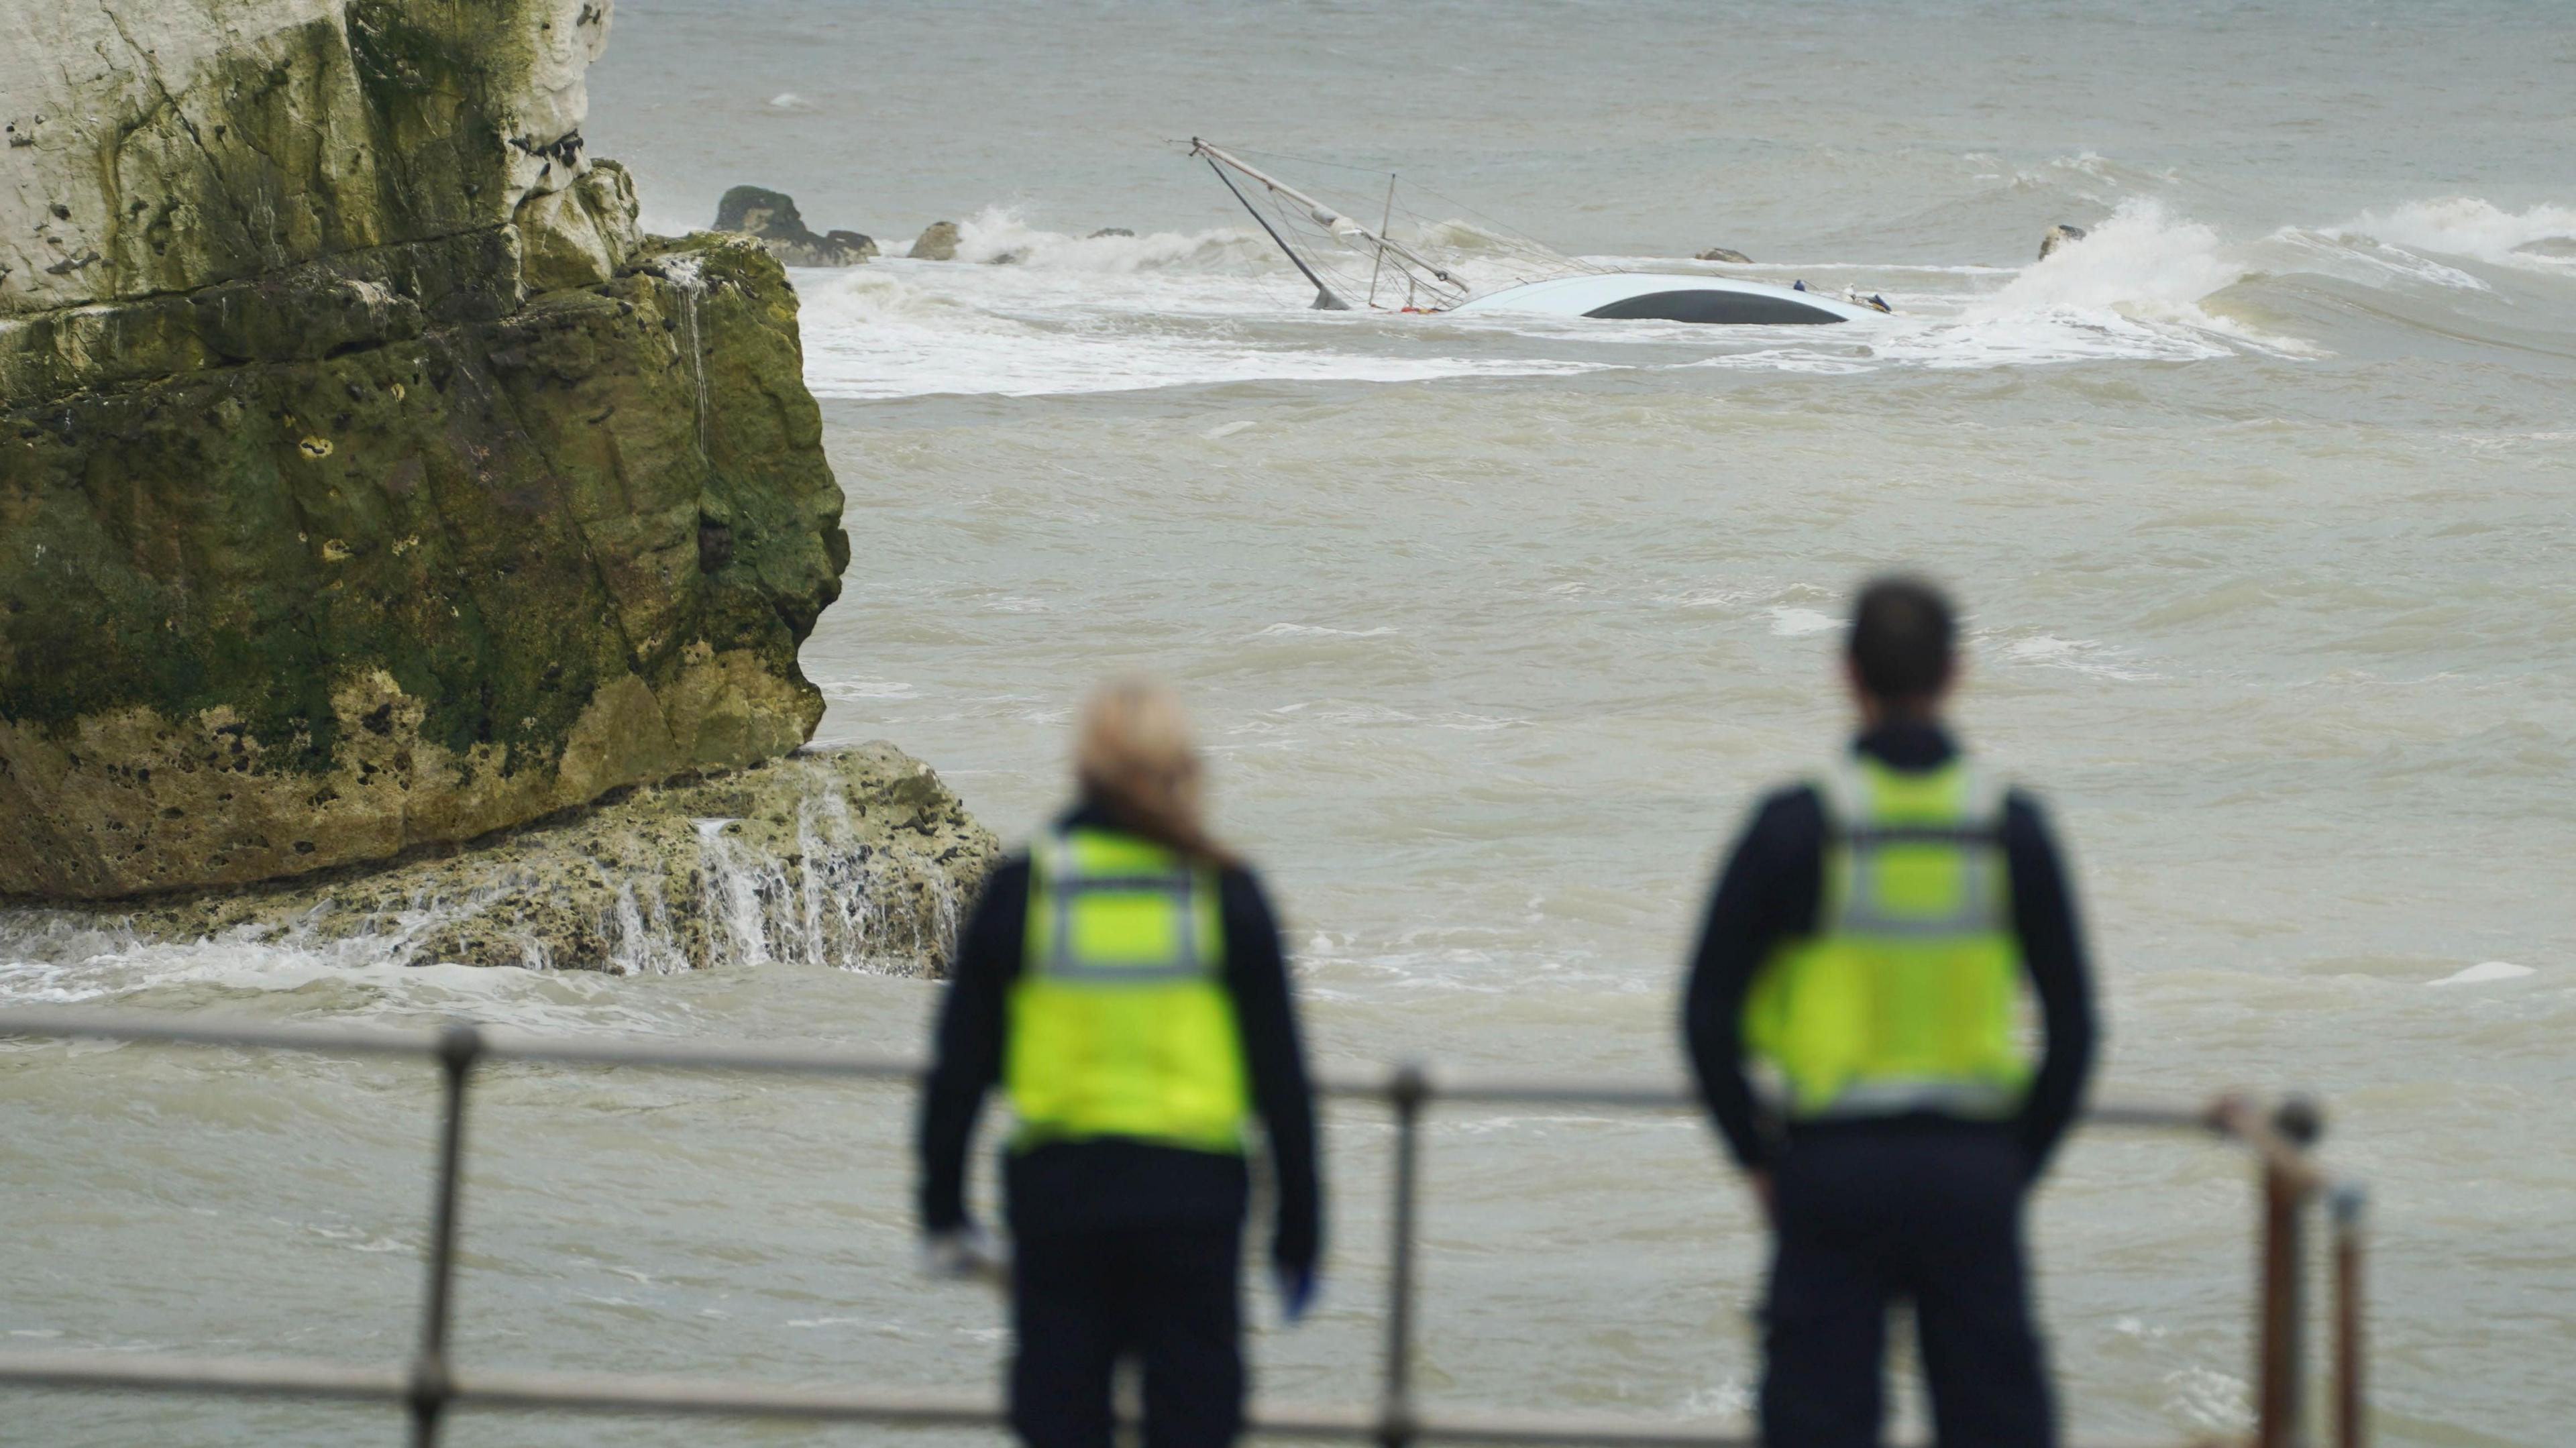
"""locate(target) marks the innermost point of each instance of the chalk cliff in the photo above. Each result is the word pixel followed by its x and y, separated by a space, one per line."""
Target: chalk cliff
pixel 367 481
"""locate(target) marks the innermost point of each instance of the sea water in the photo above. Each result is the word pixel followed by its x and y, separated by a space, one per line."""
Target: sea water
pixel 2258 500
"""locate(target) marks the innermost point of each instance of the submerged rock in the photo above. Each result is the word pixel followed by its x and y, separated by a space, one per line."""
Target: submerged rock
pixel 366 480
pixel 1721 253
pixel 2060 235
pixel 857 859
pixel 1109 231
pixel 937 242
pixel 772 217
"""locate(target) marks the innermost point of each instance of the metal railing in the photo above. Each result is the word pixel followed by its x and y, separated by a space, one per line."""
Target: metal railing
pixel 432 1384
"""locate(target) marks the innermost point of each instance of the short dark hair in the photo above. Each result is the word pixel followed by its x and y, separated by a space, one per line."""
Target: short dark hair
pixel 1904 639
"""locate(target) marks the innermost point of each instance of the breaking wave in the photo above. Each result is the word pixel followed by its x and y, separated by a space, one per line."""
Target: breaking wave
pixel 2544 236
pixel 999 235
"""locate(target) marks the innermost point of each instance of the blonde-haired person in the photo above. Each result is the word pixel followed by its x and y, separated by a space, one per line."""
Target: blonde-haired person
pixel 1122 981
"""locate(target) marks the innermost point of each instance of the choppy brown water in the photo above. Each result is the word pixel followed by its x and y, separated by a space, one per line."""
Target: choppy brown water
pixel 2262 509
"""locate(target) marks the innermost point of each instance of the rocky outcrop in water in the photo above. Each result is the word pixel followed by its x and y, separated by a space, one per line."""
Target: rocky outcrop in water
pixel 772 217
pixel 858 859
pixel 1724 253
pixel 2058 237
pixel 366 480
pixel 937 242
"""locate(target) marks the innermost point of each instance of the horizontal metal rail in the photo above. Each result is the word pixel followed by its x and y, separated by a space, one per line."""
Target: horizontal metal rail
pixel 625 1393
pixel 432 1384
pixel 501 1043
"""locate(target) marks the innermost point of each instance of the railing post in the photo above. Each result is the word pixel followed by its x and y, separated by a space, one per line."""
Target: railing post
pixel 1406 1092
pixel 2349 1399
pixel 2281 1357
pixel 458 1047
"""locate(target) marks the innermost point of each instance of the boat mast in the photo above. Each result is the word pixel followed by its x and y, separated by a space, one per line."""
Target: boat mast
pixel 1324 216
pixel 1380 264
pixel 1325 301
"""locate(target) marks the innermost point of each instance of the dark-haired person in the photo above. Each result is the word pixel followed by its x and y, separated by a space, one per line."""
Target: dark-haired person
pixel 1868 942
pixel 1123 982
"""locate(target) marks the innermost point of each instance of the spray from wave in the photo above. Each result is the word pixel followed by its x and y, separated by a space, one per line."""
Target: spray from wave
pixel 2544 236
pixel 2139 288
pixel 1000 235
pixel 2141 262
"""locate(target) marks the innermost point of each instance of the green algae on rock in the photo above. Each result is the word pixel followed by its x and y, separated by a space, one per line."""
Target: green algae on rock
pixel 372 483
pixel 856 859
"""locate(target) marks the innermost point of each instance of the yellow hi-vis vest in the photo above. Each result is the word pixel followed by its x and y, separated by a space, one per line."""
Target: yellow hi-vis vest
pixel 1906 997
pixel 1120 1021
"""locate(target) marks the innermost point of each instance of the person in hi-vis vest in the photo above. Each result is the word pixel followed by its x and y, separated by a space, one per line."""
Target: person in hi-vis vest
pixel 1123 982
pixel 1869 944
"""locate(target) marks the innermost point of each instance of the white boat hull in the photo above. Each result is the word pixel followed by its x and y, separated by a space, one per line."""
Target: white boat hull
pixel 1669 297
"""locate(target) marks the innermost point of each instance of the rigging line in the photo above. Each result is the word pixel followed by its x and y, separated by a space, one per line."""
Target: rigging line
pixel 1382 226
pixel 1308 161
pixel 1500 226
pixel 1322 292
pixel 1505 229
pixel 1498 229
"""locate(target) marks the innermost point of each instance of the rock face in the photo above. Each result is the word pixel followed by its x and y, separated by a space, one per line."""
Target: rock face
pixel 2059 236
pixel 772 217
pixel 366 480
pixel 937 242
pixel 1722 253
pixel 858 859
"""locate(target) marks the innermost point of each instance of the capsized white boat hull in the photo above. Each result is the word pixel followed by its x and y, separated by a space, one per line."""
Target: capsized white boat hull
pixel 1669 297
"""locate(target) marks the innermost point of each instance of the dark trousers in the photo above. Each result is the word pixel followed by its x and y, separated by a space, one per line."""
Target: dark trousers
pixel 1166 1295
pixel 1931 1214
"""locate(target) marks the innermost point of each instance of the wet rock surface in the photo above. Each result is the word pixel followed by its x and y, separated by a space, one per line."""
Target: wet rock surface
pixel 937 242
pixel 1724 253
pixel 856 859
pixel 772 217
pixel 2059 237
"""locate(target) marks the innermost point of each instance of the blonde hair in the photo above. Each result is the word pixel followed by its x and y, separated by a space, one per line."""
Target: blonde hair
pixel 1133 759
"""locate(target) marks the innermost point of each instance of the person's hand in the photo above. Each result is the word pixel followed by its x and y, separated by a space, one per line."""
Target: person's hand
pixel 1758 1181
pixel 960 1253
pixel 1296 1292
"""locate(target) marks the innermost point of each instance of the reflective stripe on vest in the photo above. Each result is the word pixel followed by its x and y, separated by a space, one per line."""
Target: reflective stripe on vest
pixel 1907 996
pixel 1120 1022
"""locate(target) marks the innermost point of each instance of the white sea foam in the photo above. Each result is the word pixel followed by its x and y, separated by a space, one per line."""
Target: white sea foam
pixel 2468 226
pixel 2143 265
pixel 1001 235
pixel 1051 325
pixel 2207 1398
pixel 1312 630
pixel 346 978
pixel 2485 972
pixel 2083 656
pixel 1029 310
pixel 1792 622
pixel 2364 259
pixel 859 689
